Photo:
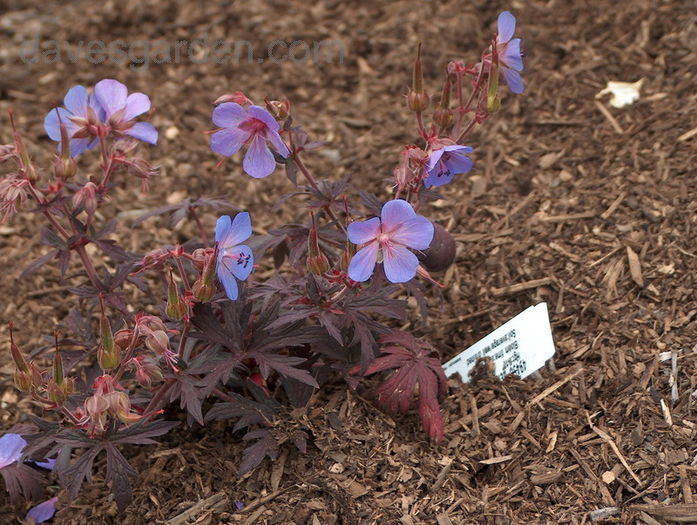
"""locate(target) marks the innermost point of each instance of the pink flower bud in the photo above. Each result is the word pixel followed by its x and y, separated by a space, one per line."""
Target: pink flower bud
pixel 86 198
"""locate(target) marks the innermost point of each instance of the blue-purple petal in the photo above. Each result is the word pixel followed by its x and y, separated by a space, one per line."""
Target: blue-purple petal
pixel 43 511
pixel 260 113
pixel 394 213
pixel 111 95
pixel 458 163
pixel 228 141
pixel 506 27
pixel 226 277
pixel 52 123
pixel 259 162
pixel 48 463
pixel 143 131
pixel 400 264
pixel 361 232
pixel 136 105
pixel 76 101
pixel 241 229
pixel 513 79
pixel 229 115
pixel 11 446
pixel 416 233
pixel 363 263
pixel 240 261
pixel 277 143
pixel 222 229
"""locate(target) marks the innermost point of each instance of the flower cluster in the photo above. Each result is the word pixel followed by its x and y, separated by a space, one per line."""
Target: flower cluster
pixel 108 110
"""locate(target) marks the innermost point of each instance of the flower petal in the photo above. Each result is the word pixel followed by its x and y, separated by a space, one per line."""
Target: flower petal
pixel 400 264
pixel 240 261
pixel 11 446
pixel 512 78
pixel 259 161
pixel 416 233
pixel 76 100
pixel 363 263
pixel 361 232
pixel 511 55
pixel 222 229
pixel 52 123
pixel 240 230
pixel 394 213
pixel 136 104
pixel 506 27
pixel 277 143
pixel 435 157
pixel 78 146
pixel 228 141
pixel 458 163
pixel 260 113
pixel 143 131
pixel 229 115
pixel 48 463
pixel 226 278
pixel 111 95
pixel 438 178
pixel 43 511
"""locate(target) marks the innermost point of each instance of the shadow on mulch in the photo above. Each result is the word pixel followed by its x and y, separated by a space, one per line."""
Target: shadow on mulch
pixel 598 204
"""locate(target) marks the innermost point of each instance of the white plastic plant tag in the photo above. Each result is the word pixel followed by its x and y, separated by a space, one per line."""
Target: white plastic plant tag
pixel 521 346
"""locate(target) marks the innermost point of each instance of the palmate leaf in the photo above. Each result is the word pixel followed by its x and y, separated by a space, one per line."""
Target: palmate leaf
pixel 117 473
pixel 266 445
pixel 417 371
pixel 22 481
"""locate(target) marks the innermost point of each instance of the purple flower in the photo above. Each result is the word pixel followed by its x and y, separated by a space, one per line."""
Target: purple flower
pixel 253 127
pixel 235 260
pixel 445 163
pixel 11 446
pixel 388 237
pixel 508 51
pixel 80 118
pixel 43 511
pixel 118 109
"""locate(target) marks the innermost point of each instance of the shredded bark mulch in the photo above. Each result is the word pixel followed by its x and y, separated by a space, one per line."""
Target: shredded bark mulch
pixel 573 202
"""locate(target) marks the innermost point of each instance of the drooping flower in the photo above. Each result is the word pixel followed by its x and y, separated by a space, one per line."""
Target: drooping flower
pixel 445 163
pixel 253 127
pixel 388 237
pixel 119 109
pixel 80 116
pixel 509 54
pixel 235 260
pixel 11 446
pixel 43 511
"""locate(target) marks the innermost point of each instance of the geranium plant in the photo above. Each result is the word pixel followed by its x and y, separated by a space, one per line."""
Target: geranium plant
pixel 204 328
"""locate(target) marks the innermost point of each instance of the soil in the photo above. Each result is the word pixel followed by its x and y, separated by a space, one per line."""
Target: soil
pixel 573 202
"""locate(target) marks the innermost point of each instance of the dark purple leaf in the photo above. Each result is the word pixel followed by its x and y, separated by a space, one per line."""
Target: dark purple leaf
pixel 38 263
pixel 117 472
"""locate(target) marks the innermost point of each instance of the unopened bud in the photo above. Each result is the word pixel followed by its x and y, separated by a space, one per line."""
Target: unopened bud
pixel 64 168
pixel 55 392
pixel 318 265
pixel 238 97
pixel 443 117
pixel 417 102
pixel 279 108
pixel 57 367
pixel 417 99
pixel 122 338
pixel 86 198
pixel 202 291
pixel 158 342
pixel 17 354
pixel 109 359
pixel 23 381
pixel 317 262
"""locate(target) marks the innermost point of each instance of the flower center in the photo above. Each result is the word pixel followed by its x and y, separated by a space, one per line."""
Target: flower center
pixel 253 125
